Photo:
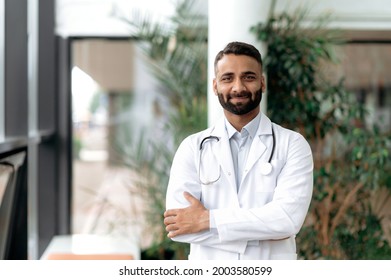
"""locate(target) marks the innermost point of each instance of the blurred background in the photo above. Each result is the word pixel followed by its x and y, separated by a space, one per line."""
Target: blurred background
pixel 99 94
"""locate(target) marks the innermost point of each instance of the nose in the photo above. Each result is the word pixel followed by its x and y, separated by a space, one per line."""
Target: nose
pixel 238 86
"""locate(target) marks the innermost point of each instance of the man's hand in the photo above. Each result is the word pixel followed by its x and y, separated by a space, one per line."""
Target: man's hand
pixel 192 219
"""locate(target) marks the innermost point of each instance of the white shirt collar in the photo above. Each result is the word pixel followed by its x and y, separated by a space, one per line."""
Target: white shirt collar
pixel 251 127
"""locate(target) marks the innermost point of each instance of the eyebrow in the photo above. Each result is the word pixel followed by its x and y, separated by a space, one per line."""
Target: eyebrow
pixel 249 72
pixel 244 73
pixel 227 74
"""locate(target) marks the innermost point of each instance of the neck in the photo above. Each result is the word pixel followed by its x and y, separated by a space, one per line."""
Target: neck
pixel 240 121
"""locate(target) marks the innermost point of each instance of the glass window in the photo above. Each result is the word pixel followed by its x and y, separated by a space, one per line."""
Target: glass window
pixel 366 68
pixel 115 101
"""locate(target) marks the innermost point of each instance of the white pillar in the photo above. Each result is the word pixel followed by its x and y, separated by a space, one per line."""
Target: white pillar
pixel 230 20
pixel 32 155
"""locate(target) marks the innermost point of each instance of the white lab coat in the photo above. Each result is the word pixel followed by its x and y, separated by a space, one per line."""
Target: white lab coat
pixel 261 220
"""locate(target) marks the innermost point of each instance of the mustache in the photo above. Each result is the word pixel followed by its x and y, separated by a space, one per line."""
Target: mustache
pixel 239 94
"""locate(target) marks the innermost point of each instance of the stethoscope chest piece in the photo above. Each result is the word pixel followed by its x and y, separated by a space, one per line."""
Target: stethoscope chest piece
pixel 266 168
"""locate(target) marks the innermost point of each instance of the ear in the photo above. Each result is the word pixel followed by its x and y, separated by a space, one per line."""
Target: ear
pixel 215 86
pixel 263 83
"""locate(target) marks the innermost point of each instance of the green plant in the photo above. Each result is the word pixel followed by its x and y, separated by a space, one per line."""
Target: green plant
pixel 351 161
pixel 293 55
pixel 178 59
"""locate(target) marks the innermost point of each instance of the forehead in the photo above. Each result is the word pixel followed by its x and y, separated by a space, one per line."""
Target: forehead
pixel 236 64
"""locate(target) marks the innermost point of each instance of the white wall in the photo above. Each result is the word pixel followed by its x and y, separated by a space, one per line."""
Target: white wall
pixel 230 20
pixel 346 14
pixel 101 17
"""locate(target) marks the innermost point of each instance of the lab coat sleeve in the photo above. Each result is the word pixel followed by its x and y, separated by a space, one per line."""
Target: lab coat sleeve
pixel 184 177
pixel 284 215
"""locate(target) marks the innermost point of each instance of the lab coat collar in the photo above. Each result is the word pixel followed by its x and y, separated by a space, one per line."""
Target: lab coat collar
pixel 219 129
pixel 223 151
pixel 259 149
pixel 265 126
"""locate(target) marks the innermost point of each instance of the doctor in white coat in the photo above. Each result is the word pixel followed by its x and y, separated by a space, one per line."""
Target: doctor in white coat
pixel 241 189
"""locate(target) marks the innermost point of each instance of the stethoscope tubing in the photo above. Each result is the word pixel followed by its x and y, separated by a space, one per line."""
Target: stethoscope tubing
pixel 218 139
pixel 207 138
pixel 273 147
pixel 267 167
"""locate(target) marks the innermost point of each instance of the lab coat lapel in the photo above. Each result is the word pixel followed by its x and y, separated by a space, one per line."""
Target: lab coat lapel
pixel 258 148
pixel 223 153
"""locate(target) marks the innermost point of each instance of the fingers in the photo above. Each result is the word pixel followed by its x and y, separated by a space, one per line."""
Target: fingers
pixel 171 227
pixel 174 233
pixel 171 212
pixel 174 230
pixel 169 220
pixel 180 221
pixel 190 198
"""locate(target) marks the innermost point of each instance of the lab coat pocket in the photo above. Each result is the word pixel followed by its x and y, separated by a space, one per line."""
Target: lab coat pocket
pixel 267 182
pixel 209 176
pixel 217 195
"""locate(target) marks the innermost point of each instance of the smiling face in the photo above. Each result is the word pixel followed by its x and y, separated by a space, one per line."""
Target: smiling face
pixel 239 84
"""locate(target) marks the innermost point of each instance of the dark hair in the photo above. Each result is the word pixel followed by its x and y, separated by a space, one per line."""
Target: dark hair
pixel 239 48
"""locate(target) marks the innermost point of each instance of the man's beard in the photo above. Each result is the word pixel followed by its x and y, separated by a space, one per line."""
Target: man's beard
pixel 241 108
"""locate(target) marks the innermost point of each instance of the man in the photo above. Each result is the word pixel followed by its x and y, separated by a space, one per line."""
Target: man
pixel 240 189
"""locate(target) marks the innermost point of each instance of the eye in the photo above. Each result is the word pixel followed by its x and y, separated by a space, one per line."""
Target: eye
pixel 226 78
pixel 249 77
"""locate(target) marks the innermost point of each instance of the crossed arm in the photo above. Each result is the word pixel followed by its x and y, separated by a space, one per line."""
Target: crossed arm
pixel 280 218
pixel 192 219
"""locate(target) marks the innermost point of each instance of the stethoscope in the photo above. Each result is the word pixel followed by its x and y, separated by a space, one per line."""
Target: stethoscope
pixel 266 167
